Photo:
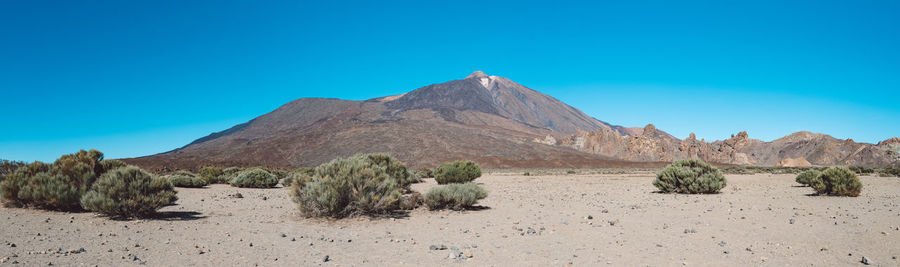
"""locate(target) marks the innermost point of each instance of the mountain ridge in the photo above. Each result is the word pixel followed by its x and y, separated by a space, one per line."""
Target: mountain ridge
pixel 490 119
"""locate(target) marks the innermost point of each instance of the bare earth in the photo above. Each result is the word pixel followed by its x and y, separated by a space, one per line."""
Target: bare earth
pixel 526 221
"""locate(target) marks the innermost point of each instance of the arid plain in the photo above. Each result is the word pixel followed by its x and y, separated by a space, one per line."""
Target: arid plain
pixel 582 219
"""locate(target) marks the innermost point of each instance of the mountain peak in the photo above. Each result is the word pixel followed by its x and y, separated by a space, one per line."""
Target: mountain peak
pixel 477 74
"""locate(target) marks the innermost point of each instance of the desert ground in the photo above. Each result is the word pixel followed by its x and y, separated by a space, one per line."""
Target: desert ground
pixel 539 220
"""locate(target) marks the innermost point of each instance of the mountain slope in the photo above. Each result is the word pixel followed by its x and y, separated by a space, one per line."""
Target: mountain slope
pixel 489 119
pixel 485 118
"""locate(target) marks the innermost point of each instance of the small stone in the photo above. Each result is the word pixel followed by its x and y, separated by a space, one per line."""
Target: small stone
pixel 283 235
pixel 293 239
pixel 792 221
pixel 690 231
pixel 589 217
pixel 722 243
pixel 468 253
pixel 325 259
pixel 866 261
pixel 453 255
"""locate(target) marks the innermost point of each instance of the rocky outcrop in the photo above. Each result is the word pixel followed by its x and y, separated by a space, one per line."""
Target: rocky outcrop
pixel 797 149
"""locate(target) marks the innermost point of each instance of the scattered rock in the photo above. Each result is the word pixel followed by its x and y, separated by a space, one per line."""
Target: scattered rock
pixel 437 247
pixel 792 221
pixel 866 261
pixel 236 195
pixel 325 259
pixel 589 217
pixel 690 231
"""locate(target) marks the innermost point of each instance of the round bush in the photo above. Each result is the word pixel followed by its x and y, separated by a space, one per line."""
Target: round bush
pixel 457 172
pixel 364 184
pixel 212 175
pixel 128 192
pixel 837 181
pixel 179 180
pixel 454 196
pixel 806 177
pixel 255 178
pixel 690 176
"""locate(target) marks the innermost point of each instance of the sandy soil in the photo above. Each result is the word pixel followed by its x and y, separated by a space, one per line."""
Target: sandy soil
pixel 526 221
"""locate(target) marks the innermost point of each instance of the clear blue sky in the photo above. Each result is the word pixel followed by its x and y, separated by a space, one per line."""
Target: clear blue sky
pixel 133 78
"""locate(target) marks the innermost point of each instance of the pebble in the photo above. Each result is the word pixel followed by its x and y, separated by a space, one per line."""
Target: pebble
pixel 792 221
pixel 589 217
pixel 690 231
pixel 866 261
pixel 325 259
pixel 437 247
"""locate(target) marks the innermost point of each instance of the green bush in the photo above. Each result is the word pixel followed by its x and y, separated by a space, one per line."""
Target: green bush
pixel 212 175
pixel 111 164
pixel 423 173
pixel 57 186
pixel 891 171
pixel 526 174
pixel 255 178
pixel 807 177
pixel 301 177
pixel 128 192
pixel 229 174
pixel 690 176
pixel 179 180
pixel 457 172
pixel 363 184
pixel 862 170
pixel 454 196
pixel 411 201
pixel 837 181
pixel 7 167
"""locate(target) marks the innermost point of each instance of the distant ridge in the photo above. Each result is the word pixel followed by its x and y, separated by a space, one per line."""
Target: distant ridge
pixel 492 120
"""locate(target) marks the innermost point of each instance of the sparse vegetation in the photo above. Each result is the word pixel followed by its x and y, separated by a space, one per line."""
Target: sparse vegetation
pixel 213 175
pixel 837 181
pixel 526 174
pixel 890 171
pixel 690 176
pixel 128 192
pixel 571 172
pixel 454 196
pixel 363 184
pixel 862 170
pixel 301 177
pixel 423 173
pixel 411 201
pixel 255 178
pixel 179 180
pixel 457 172
pixel 767 169
pixel 807 177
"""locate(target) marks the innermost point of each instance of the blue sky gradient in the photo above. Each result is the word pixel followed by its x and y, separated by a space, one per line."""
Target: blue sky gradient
pixel 134 78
